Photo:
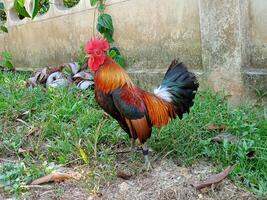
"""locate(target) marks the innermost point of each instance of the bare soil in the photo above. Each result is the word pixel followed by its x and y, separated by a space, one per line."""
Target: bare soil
pixel 166 181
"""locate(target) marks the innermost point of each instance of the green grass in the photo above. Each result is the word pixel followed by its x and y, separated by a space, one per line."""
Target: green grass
pixel 67 120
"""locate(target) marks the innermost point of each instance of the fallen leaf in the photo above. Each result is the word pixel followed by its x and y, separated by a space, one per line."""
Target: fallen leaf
pixel 57 79
pixel 54 177
pixel 58 68
pixel 123 175
pixel 223 136
pixel 214 178
pixel 74 66
pixel 83 85
pixel 214 127
pixel 84 75
pixel 42 76
pixel 31 82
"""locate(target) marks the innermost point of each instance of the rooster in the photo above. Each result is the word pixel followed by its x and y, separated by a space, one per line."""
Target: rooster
pixel 136 110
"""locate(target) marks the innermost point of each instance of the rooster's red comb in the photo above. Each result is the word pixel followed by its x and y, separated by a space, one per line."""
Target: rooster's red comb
pixel 96 43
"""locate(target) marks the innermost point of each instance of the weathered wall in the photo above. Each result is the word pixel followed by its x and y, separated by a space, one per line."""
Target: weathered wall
pixel 258 28
pixel 150 33
pixel 223 48
pixel 224 40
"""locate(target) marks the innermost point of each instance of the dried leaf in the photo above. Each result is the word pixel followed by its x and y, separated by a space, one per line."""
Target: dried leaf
pixel 223 136
pixel 214 179
pixel 83 85
pixel 214 127
pixel 123 175
pixel 58 68
pixel 57 79
pixel 74 67
pixel 54 177
pixel 84 75
pixel 43 76
pixel 31 82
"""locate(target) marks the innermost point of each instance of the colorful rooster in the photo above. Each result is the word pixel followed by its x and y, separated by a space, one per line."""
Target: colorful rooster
pixel 136 110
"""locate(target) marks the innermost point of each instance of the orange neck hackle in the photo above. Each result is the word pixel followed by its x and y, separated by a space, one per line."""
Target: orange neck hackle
pixel 111 76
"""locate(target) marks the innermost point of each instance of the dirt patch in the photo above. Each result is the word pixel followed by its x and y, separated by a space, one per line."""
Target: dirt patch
pixel 169 181
pixel 166 181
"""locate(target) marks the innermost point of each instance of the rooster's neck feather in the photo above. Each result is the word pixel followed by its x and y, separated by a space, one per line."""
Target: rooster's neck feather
pixel 111 76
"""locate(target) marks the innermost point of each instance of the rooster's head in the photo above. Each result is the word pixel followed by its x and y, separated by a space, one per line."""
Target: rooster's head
pixel 96 48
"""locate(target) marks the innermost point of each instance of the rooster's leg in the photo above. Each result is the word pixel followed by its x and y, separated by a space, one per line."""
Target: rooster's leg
pixel 148 166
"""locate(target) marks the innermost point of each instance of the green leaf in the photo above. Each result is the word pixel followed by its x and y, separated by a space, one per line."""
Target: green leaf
pixel 101 8
pixel 20 8
pixel 6 55
pixel 93 2
pixel 35 8
pixel 83 155
pixel 21 3
pixel 105 26
pixel 4 29
pixel 116 50
pixel 2 6
pixel 8 64
pixel 120 60
pixel 112 53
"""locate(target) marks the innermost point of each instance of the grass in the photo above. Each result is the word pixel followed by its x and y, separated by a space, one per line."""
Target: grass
pixel 43 129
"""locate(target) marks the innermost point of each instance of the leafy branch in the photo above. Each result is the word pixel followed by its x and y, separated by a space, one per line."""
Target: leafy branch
pixel 105 28
pixel 104 23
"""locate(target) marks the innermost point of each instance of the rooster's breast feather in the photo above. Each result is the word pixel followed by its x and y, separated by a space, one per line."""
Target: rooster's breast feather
pixel 130 104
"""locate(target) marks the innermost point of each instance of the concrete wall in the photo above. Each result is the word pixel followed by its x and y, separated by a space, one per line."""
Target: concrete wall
pixel 258 31
pixel 224 40
pixel 150 33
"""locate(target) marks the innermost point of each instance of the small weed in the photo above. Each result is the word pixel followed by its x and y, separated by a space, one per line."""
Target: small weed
pixel 6 60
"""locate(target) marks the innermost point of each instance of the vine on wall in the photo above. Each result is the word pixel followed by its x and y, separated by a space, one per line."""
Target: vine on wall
pixel 105 28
